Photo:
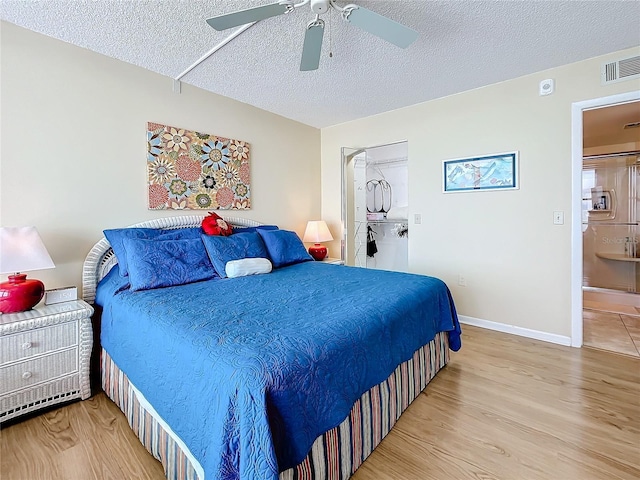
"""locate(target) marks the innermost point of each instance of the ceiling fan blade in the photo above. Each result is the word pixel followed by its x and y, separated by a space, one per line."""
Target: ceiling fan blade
pixel 380 26
pixel 242 17
pixel 312 46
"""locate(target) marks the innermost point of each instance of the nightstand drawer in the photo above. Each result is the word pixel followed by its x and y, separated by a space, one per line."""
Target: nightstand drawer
pixel 37 370
pixel 41 340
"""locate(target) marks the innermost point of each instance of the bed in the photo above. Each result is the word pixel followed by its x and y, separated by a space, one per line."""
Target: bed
pixel 298 373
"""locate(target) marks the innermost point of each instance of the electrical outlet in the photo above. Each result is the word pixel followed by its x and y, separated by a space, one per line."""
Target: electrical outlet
pixel 59 295
pixel 462 281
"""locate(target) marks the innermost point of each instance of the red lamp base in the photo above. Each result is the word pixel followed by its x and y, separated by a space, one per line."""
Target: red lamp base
pixel 20 294
pixel 317 251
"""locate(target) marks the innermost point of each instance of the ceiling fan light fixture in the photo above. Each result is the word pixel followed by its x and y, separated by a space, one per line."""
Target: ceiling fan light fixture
pixel 320 6
pixel 369 21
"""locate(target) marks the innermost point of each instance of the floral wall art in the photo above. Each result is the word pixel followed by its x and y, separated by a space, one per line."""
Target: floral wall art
pixel 198 171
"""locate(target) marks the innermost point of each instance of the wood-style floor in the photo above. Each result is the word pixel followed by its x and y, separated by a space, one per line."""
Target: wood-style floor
pixel 506 408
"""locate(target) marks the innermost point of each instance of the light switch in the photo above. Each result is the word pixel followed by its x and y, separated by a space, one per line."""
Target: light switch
pixel 417 218
pixel 558 218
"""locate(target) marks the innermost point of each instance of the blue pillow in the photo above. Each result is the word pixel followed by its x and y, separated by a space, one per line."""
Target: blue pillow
pixel 284 247
pixel 116 236
pixel 234 247
pixel 164 263
pixel 253 229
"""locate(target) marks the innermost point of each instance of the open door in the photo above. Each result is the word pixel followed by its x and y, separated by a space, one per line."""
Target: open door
pixel 375 206
pixel 353 165
pixel 577 250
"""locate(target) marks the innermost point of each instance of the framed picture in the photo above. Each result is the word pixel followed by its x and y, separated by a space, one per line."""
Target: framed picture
pixel 488 172
pixel 189 170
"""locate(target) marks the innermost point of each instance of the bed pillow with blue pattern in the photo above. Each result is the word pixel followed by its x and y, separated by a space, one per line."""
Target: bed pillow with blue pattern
pixel 116 237
pixel 284 247
pixel 234 247
pixel 165 263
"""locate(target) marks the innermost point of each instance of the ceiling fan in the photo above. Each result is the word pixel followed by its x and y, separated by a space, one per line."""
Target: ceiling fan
pixel 374 23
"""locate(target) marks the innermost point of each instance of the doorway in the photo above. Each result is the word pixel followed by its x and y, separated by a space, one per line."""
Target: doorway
pixel 375 201
pixel 610 181
pixel 583 145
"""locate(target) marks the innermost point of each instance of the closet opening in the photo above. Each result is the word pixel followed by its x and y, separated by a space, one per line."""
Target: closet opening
pixel 375 202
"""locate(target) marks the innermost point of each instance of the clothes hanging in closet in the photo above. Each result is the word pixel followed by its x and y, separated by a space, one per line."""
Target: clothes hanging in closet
pixel 372 248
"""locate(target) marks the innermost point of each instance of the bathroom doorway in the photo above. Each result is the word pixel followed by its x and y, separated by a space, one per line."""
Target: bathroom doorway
pixel 610 232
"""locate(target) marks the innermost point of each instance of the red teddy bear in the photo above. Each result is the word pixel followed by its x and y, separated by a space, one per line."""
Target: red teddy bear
pixel 214 224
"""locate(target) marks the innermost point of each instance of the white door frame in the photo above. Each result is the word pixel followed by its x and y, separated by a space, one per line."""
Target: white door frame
pixel 576 204
pixel 346 231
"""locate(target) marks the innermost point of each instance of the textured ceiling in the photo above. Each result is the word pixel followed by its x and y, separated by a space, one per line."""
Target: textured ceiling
pixel 462 45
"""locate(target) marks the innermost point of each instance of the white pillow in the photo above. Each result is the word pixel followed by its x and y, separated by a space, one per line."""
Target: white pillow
pixel 247 266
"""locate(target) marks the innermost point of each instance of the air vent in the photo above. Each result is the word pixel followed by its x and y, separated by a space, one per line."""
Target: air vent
pixel 620 70
pixel 631 125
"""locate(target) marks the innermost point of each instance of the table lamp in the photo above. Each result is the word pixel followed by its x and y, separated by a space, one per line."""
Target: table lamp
pixel 316 232
pixel 21 250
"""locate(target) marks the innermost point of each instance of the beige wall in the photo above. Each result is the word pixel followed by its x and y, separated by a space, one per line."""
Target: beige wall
pixel 515 261
pixel 73 147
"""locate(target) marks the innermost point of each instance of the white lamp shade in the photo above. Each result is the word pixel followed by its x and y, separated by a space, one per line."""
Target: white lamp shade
pixel 316 232
pixel 22 250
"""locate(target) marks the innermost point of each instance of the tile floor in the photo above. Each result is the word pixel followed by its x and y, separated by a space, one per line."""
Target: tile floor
pixel 612 327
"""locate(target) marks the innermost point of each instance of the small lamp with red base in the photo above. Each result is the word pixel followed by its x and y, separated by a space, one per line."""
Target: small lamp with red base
pixel 316 232
pixel 21 250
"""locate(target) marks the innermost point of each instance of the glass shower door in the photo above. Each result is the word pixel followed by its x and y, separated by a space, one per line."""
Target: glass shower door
pixel 610 223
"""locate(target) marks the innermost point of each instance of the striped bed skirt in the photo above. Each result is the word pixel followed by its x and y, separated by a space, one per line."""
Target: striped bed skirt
pixel 335 455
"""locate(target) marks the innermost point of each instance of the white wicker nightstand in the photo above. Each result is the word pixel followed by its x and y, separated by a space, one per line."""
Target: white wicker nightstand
pixel 44 357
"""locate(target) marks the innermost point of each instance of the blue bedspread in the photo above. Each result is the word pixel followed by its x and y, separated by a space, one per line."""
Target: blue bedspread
pixel 249 371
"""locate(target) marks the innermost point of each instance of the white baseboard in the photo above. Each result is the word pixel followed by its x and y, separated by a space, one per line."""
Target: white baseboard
pixel 512 329
pixel 617 297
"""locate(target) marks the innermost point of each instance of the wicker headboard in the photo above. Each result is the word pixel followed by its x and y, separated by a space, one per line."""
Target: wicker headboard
pixel 101 258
